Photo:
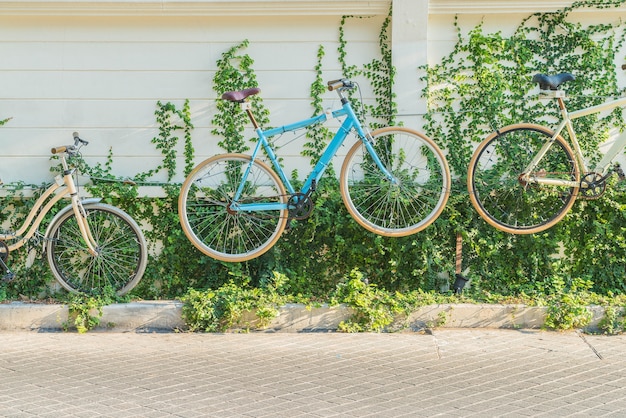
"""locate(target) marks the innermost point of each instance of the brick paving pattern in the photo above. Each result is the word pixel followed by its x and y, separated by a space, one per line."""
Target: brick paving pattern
pixel 464 373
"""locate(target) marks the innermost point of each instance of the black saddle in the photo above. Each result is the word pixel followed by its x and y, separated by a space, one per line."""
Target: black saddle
pixel 552 82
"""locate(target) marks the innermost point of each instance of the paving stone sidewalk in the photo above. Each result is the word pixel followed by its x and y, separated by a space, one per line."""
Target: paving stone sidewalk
pixel 447 372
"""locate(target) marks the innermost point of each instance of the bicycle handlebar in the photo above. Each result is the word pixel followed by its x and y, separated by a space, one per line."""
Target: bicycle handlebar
pixel 62 148
pixel 70 148
pixel 339 84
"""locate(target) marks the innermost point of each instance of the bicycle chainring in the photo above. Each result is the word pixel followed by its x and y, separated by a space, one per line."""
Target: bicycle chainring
pixel 300 206
pixel 592 186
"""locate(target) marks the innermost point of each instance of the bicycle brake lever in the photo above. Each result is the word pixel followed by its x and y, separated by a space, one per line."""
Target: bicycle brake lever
pixel 348 84
pixel 79 140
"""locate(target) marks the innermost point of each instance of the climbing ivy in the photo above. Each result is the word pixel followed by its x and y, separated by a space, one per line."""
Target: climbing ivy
pixel 235 72
pixel 379 72
pixel 485 82
pixel 166 141
pixel 318 135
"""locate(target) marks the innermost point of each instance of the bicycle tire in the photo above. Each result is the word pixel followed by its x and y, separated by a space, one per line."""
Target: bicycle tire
pixel 122 257
pixel 410 203
pixel 500 196
pixel 232 236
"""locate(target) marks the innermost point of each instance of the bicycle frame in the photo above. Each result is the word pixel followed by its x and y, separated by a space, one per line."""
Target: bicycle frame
pixel 566 122
pixel 350 123
pixel 63 186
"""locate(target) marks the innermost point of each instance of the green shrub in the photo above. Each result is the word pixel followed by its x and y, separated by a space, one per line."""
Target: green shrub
pixel 224 308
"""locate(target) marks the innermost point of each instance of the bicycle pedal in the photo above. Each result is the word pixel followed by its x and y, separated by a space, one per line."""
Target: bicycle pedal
pixel 8 277
pixel 617 169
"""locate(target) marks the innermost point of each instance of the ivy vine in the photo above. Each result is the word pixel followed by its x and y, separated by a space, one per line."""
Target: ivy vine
pixel 166 141
pixel 235 72
pixel 380 72
pixel 318 135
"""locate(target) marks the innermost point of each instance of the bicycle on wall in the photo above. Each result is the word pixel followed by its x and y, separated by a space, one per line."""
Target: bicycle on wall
pixel 524 178
pixel 89 245
pixel 394 182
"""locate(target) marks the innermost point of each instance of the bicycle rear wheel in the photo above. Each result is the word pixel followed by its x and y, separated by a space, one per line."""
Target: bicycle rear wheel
pixel 217 230
pixel 410 201
pixel 503 198
pixel 122 256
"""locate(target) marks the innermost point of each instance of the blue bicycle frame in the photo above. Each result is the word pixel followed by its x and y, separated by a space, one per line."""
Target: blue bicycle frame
pixel 351 122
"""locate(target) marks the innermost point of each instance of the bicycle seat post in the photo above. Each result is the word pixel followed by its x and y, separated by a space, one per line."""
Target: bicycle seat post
pixel 247 107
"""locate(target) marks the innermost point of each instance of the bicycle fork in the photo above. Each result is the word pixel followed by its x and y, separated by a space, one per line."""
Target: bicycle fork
pixel 81 218
pixel 79 210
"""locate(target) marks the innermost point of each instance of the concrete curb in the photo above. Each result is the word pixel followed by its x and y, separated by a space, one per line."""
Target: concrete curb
pixel 123 317
pixel 165 316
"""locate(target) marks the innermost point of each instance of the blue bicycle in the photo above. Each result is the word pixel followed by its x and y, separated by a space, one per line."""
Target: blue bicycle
pixel 234 207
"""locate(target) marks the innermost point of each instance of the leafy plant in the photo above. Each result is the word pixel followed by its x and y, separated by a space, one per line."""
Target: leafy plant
pixel 235 72
pixel 614 320
pixel 318 135
pixel 379 72
pixel 377 309
pixel 85 311
pixel 484 83
pixel 223 308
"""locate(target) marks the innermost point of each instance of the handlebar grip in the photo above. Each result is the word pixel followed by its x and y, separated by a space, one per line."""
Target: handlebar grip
pixel 623 66
pixel 335 84
pixel 58 150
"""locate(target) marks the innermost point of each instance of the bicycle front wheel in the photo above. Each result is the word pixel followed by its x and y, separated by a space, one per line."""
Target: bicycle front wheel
pixel 122 251
pixel 512 200
pixel 216 228
pixel 408 195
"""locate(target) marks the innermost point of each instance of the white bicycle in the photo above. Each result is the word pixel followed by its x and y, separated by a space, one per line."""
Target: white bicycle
pixel 524 178
pixel 89 245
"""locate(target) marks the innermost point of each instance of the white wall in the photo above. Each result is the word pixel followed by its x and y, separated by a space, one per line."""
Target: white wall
pixel 99 67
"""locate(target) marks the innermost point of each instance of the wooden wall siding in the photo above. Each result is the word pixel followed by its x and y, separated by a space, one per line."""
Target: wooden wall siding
pixel 99 67
pixel 103 77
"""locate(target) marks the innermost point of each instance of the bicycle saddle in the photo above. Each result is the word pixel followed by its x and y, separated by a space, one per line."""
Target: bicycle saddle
pixel 238 96
pixel 552 82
